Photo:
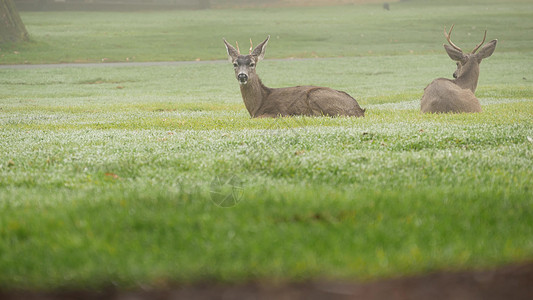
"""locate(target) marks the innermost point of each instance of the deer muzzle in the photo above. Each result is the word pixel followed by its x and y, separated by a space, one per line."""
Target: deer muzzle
pixel 243 78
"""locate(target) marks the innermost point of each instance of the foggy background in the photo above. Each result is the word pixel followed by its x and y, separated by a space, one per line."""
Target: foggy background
pixel 45 5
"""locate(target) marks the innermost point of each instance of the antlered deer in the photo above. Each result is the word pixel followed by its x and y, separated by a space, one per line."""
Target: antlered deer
pixel 445 95
pixel 262 101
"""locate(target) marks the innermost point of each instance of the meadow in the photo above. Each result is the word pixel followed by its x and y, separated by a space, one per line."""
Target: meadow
pixel 154 175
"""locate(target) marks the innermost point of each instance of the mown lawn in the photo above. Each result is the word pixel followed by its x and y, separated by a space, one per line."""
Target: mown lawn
pixel 153 175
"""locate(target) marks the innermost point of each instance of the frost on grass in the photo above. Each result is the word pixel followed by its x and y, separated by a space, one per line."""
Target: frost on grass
pixel 152 152
pixel 415 104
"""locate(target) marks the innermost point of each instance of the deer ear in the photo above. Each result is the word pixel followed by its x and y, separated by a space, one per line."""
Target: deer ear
pixel 259 51
pixel 454 53
pixel 487 50
pixel 232 52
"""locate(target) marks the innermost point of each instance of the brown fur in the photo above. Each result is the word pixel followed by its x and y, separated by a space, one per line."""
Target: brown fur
pixel 444 95
pixel 262 101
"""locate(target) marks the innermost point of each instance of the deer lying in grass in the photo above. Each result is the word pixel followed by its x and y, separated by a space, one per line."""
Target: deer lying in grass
pixel 262 101
pixel 456 96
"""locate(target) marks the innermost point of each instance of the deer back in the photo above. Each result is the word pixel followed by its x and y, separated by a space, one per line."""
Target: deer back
pixel 445 96
pixel 309 101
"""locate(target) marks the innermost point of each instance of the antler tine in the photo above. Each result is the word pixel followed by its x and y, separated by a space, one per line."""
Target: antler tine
pixel 479 45
pixel 238 50
pixel 251 46
pixel 448 37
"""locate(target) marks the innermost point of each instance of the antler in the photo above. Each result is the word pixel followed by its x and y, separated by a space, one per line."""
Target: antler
pixel 251 46
pixel 238 51
pixel 448 37
pixel 479 45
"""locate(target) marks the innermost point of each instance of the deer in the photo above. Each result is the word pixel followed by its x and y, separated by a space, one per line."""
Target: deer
pixel 265 102
pixel 457 95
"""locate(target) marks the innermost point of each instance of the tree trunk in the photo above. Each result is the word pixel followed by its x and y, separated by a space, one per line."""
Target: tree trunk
pixel 11 27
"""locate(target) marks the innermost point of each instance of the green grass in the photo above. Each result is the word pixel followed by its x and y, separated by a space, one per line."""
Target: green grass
pixel 113 176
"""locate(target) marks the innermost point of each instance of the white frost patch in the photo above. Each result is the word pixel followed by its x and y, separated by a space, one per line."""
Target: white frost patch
pixel 490 101
pixel 415 104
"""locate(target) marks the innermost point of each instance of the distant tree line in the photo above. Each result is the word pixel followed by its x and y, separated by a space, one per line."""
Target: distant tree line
pixel 129 4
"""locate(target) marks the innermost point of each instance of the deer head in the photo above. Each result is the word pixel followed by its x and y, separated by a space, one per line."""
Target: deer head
pixel 244 65
pixel 468 63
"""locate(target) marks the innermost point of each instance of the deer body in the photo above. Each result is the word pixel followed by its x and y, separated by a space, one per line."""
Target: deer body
pixel 262 101
pixel 457 96
pixel 445 95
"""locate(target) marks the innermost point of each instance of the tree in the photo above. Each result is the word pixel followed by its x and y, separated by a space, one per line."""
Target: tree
pixel 11 27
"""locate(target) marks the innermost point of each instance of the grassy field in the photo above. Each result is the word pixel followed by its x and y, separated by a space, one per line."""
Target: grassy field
pixel 155 175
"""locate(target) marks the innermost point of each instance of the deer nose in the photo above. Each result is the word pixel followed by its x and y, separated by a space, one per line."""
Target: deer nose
pixel 242 77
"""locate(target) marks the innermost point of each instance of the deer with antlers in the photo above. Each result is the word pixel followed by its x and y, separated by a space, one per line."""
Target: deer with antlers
pixel 262 101
pixel 456 96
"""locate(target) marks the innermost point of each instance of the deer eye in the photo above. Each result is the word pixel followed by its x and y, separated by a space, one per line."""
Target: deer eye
pixel 235 65
pixel 252 65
